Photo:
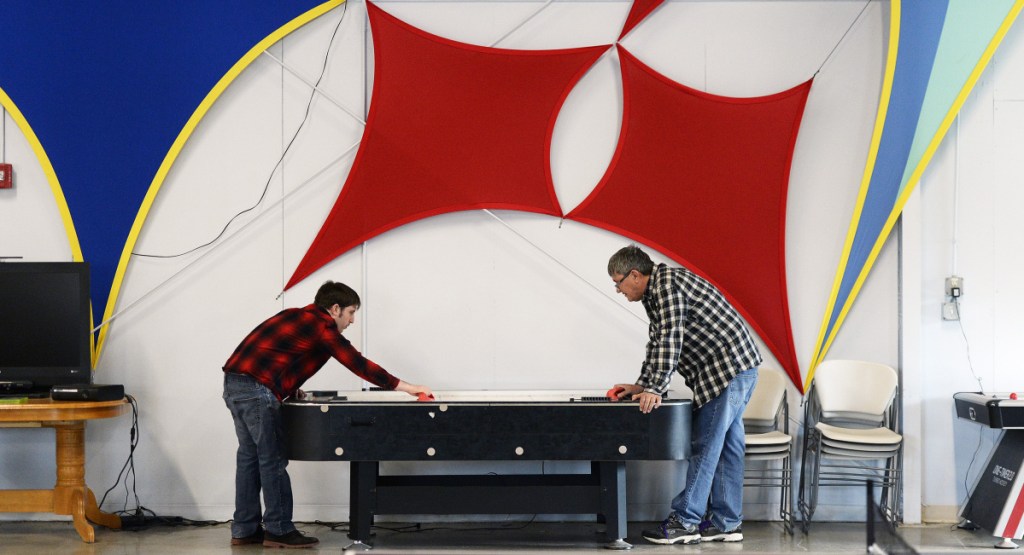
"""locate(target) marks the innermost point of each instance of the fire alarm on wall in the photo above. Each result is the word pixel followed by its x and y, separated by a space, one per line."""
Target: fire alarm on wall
pixel 6 176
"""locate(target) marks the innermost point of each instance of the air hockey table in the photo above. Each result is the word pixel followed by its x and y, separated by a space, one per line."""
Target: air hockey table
pixel 365 428
pixel 996 502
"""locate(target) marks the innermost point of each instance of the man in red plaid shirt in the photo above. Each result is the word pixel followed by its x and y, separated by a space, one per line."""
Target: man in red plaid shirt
pixel 269 365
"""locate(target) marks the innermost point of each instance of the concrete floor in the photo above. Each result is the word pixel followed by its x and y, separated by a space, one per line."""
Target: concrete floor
pixel 37 537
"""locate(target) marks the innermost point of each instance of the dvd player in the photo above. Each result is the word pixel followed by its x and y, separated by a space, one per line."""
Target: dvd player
pixel 87 392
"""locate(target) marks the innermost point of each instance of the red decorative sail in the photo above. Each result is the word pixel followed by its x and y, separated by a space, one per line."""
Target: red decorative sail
pixel 703 179
pixel 451 127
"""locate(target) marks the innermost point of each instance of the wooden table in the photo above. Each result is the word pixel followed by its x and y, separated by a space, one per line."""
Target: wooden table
pixel 70 495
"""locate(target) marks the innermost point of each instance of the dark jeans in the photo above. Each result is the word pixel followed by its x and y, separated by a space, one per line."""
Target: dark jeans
pixel 261 462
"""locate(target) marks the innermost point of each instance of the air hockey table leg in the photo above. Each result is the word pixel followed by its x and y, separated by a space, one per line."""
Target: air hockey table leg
pixel 1007 543
pixel 612 476
pixel 362 482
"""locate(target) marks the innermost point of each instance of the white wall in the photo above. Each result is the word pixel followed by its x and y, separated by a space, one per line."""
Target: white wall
pixel 461 302
pixel 971 210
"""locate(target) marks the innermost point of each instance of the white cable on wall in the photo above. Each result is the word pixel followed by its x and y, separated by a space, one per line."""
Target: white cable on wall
pixel 314 86
pixel 956 190
pixel 563 265
pixel 284 150
pixel 521 23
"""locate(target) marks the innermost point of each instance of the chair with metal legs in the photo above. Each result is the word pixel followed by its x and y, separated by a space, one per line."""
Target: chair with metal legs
pixel 766 422
pixel 851 434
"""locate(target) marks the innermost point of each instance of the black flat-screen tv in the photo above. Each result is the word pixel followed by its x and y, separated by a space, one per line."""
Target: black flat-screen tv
pixel 45 319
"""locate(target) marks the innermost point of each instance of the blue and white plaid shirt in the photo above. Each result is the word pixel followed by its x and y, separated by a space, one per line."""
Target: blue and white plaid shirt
pixel 694 331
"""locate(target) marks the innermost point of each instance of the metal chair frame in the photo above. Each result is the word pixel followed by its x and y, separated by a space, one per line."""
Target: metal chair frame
pixel 815 472
pixel 769 477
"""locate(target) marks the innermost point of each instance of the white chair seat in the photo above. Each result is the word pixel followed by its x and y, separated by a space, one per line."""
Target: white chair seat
pixel 867 447
pixel 837 453
pixel 766 420
pixel 773 438
pixel 876 436
pixel 860 442
pixel 778 455
pixel 767 423
pixel 765 449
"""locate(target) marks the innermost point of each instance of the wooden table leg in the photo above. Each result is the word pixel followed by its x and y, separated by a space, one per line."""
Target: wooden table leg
pixel 82 525
pixel 94 514
pixel 70 495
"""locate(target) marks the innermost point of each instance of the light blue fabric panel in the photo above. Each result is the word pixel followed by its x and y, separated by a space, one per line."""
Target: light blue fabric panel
pixel 921 26
pixel 970 26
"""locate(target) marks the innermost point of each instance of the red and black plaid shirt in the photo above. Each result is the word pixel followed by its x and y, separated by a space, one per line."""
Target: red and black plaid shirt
pixel 288 348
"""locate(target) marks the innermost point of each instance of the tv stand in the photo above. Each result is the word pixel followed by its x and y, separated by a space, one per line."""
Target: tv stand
pixel 70 495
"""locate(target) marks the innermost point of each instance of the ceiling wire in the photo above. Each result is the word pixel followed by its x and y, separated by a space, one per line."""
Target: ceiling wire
pixel 842 38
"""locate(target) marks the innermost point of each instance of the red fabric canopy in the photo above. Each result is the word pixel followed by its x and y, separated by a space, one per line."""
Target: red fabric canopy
pixel 451 127
pixel 698 177
pixel 703 179
pixel 637 12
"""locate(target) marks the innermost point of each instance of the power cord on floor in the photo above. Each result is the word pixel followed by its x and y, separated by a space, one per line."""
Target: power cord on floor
pixel 140 517
pixel 143 518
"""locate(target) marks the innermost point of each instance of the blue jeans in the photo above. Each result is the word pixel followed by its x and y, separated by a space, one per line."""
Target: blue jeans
pixel 261 462
pixel 714 476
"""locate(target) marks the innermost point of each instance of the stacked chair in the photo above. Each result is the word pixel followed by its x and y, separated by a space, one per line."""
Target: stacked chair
pixel 766 420
pixel 851 434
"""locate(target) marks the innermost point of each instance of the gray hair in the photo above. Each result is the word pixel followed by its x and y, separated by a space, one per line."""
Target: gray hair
pixel 630 258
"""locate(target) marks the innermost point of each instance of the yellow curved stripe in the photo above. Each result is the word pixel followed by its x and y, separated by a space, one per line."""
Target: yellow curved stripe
pixel 48 171
pixel 179 143
pixel 55 188
pixel 869 166
pixel 915 176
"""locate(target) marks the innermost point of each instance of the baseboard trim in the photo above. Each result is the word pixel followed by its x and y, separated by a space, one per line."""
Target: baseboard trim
pixel 940 514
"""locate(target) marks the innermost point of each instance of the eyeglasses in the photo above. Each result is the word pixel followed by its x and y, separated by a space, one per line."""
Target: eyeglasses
pixel 619 282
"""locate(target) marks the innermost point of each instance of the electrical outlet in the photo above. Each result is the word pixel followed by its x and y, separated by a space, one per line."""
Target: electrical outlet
pixel 954 286
pixel 950 311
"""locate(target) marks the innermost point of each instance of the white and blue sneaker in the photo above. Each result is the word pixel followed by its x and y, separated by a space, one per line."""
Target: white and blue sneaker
pixel 713 534
pixel 673 530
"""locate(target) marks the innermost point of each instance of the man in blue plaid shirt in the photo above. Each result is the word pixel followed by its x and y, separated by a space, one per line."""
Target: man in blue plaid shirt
pixel 696 332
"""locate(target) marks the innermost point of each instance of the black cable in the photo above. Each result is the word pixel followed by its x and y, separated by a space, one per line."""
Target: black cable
pixel 418 527
pixel 967 346
pixel 130 462
pixel 142 517
pixel 966 504
pixel 334 526
pixel 970 365
pixel 266 186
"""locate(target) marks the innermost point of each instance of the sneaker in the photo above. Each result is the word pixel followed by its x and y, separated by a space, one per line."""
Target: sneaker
pixel 291 539
pixel 255 537
pixel 673 530
pixel 713 534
